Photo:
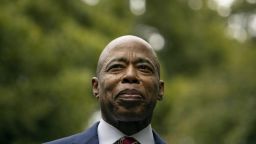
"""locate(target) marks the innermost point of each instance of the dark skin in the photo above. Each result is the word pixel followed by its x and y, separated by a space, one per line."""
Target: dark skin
pixel 128 84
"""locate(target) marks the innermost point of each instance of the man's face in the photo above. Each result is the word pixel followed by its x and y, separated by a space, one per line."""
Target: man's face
pixel 128 85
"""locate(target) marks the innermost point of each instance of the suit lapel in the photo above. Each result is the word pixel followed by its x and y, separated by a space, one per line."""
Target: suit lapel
pixel 157 138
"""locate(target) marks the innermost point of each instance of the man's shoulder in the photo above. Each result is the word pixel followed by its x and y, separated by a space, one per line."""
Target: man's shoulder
pixel 88 136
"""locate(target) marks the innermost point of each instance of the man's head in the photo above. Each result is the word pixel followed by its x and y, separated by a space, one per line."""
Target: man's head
pixel 128 83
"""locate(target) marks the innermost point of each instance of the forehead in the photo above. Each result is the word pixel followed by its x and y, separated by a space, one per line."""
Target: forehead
pixel 130 51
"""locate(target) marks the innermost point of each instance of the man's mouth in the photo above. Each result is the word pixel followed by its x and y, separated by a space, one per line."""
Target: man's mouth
pixel 130 95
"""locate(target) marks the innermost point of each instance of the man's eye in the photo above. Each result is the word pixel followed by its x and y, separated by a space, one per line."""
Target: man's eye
pixel 115 67
pixel 145 68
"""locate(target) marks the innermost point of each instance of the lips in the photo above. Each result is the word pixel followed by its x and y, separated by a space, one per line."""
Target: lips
pixel 130 95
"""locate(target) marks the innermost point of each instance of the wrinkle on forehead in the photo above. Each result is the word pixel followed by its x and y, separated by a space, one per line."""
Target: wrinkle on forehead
pixel 128 42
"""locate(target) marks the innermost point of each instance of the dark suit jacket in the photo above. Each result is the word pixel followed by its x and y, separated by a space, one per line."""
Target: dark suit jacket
pixel 90 136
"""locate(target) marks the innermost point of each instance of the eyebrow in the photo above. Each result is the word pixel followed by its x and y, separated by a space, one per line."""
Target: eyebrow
pixel 120 59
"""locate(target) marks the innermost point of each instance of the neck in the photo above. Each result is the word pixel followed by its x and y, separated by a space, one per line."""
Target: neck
pixel 131 127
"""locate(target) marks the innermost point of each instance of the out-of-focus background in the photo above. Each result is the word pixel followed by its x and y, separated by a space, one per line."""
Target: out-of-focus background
pixel 207 48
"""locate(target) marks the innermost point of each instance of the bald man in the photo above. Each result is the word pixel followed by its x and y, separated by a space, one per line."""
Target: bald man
pixel 127 86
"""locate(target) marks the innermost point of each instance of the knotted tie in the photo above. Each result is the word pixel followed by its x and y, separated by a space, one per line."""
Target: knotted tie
pixel 127 140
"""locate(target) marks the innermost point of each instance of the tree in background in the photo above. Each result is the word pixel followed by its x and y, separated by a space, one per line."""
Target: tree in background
pixel 209 64
pixel 49 51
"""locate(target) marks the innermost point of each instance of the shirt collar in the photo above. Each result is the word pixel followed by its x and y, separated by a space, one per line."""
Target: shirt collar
pixel 108 134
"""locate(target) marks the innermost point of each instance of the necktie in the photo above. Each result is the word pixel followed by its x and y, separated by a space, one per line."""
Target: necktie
pixel 127 140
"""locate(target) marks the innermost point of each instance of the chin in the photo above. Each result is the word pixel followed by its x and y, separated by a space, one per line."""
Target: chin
pixel 131 116
pixel 130 119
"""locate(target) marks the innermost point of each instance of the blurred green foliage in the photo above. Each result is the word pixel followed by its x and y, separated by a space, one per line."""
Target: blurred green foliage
pixel 49 51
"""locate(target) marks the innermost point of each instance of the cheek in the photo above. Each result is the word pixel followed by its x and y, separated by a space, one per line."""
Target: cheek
pixel 107 86
pixel 152 88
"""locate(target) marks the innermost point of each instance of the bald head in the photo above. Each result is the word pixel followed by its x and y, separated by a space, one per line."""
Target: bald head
pixel 127 42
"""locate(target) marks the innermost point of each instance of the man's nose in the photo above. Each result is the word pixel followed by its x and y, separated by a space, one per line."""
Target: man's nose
pixel 130 76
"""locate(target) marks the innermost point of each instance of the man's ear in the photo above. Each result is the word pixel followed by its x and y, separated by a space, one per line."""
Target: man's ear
pixel 95 87
pixel 161 90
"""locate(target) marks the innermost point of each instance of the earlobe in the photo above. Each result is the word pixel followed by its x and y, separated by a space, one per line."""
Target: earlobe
pixel 161 90
pixel 95 87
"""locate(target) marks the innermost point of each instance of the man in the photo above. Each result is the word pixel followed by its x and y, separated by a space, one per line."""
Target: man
pixel 127 86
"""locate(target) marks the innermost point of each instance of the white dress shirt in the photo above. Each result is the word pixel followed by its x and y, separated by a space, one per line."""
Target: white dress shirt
pixel 108 134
